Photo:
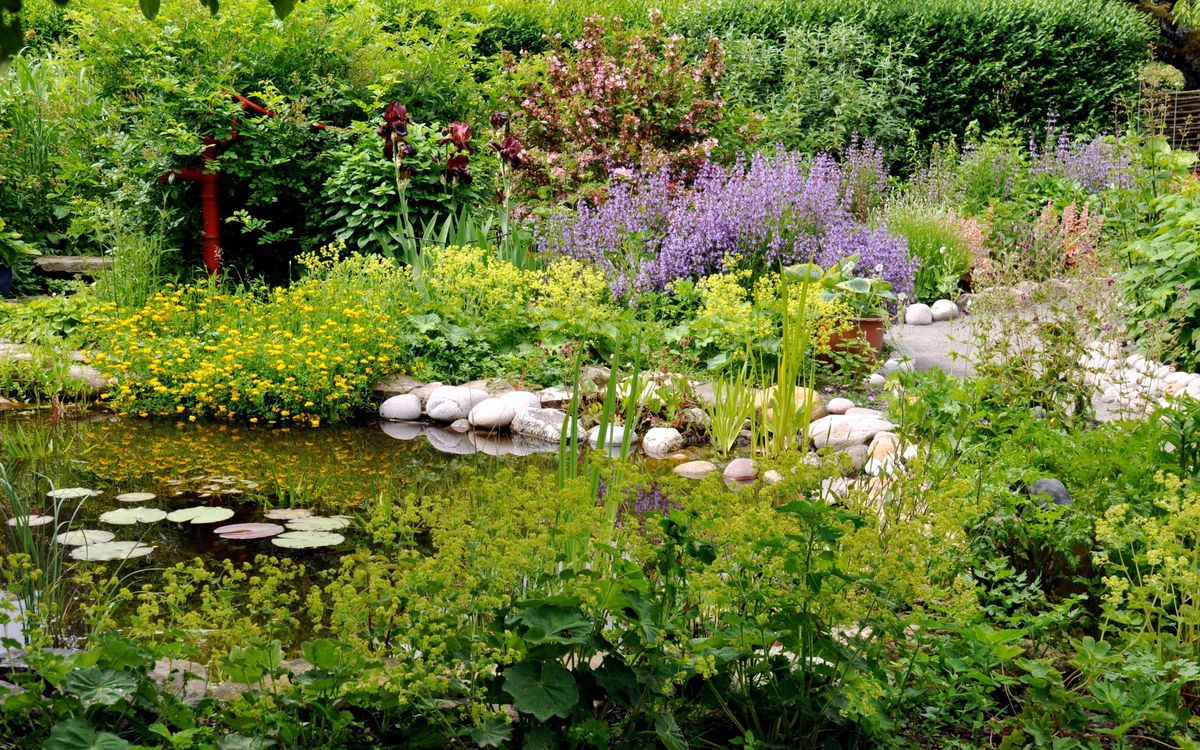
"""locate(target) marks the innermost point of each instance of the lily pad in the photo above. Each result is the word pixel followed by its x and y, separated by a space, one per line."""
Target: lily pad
pixel 200 514
pixel 71 493
pixel 135 497
pixel 80 537
pixel 130 516
pixel 319 523
pixel 288 514
pixel 248 530
pixel 111 551
pixel 30 520
pixel 307 539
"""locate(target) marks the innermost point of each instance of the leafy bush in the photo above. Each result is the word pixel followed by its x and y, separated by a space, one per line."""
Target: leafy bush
pixel 765 211
pixel 996 62
pixel 941 245
pixel 815 90
pixel 617 99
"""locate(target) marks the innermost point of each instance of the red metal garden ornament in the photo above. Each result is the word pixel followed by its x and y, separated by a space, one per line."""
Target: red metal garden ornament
pixel 209 179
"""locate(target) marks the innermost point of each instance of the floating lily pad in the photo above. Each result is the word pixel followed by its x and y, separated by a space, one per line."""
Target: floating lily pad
pixel 307 539
pixel 71 493
pixel 200 514
pixel 30 520
pixel 130 516
pixel 288 514
pixel 248 530
pixel 135 497
pixel 111 551
pixel 81 537
pixel 319 523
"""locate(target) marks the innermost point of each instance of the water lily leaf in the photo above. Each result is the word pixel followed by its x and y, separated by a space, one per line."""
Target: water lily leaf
pixel 319 523
pixel 248 530
pixel 135 497
pixel 30 520
pixel 200 514
pixel 543 689
pixel 100 687
pixel 307 539
pixel 288 514
pixel 130 516
pixel 78 734
pixel 81 537
pixel 72 493
pixel 111 551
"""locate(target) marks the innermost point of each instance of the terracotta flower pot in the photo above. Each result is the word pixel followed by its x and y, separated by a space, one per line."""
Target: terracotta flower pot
pixel 863 339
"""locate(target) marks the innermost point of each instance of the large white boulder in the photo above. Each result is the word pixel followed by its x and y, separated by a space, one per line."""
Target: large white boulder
pixel 402 408
pixel 839 431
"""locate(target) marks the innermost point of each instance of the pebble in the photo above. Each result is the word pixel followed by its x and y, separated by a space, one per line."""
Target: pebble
pixel 615 435
pixel 695 469
pixel 740 470
pixel 839 405
pixel 493 414
pixel 660 442
pixel 944 310
pixel 522 399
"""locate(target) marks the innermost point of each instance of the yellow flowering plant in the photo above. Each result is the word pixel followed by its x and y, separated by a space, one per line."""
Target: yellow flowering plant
pixel 305 354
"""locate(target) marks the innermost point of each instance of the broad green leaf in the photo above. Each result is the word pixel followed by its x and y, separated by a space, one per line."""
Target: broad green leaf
pixel 149 8
pixel 100 687
pixel 78 734
pixel 543 689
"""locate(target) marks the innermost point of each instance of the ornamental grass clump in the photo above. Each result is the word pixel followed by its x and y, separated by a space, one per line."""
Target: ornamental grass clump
pixel 305 354
pixel 763 211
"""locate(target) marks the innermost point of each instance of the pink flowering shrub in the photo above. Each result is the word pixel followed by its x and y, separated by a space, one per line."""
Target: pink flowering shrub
pixel 614 100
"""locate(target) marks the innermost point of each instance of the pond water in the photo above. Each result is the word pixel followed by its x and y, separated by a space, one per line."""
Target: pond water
pixel 249 470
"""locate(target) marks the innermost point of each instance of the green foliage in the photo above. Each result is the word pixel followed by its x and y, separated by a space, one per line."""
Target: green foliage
pixel 815 90
pixel 938 240
pixel 999 62
pixel 1162 279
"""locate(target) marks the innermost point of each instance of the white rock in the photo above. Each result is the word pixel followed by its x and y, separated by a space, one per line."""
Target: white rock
pixel 450 442
pixel 522 399
pixel 770 476
pixel 839 431
pixel 862 411
pixel 451 402
pixel 877 379
pixel 660 442
pixel 403 430
pixel 492 414
pixel 542 424
pixel 552 398
pixel 615 435
pixel 918 315
pixel 944 309
pixel 839 405
pixel 740 470
pixel 695 469
pixel 401 408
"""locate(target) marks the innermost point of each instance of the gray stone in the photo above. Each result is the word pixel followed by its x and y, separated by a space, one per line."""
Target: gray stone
pixel 660 442
pixel 704 393
pixel 1048 487
pixel 877 380
pixel 405 407
pixel 447 441
pixel 944 310
pixel 450 402
pixel 492 414
pixel 460 426
pixel 521 400
pixel 858 459
pixel 740 470
pixel 614 435
pixel 918 315
pixel 862 411
pixel 423 392
pixel 770 476
pixel 398 385
pixel 839 405
pixel 595 374
pixel 553 398
pixel 696 417
pixel 542 424
pixel 839 431
pixel 695 469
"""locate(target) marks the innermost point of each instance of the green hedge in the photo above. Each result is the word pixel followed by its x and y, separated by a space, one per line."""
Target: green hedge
pixel 1000 62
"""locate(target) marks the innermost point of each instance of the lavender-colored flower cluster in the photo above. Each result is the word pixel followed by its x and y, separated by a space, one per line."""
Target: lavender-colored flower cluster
pixel 1095 165
pixel 764 211
pixel 642 502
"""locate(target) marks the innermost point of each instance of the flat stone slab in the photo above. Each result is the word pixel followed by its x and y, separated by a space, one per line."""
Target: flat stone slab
pixel 72 265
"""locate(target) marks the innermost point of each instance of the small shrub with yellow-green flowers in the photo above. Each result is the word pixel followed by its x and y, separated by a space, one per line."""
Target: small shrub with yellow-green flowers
pixel 305 354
